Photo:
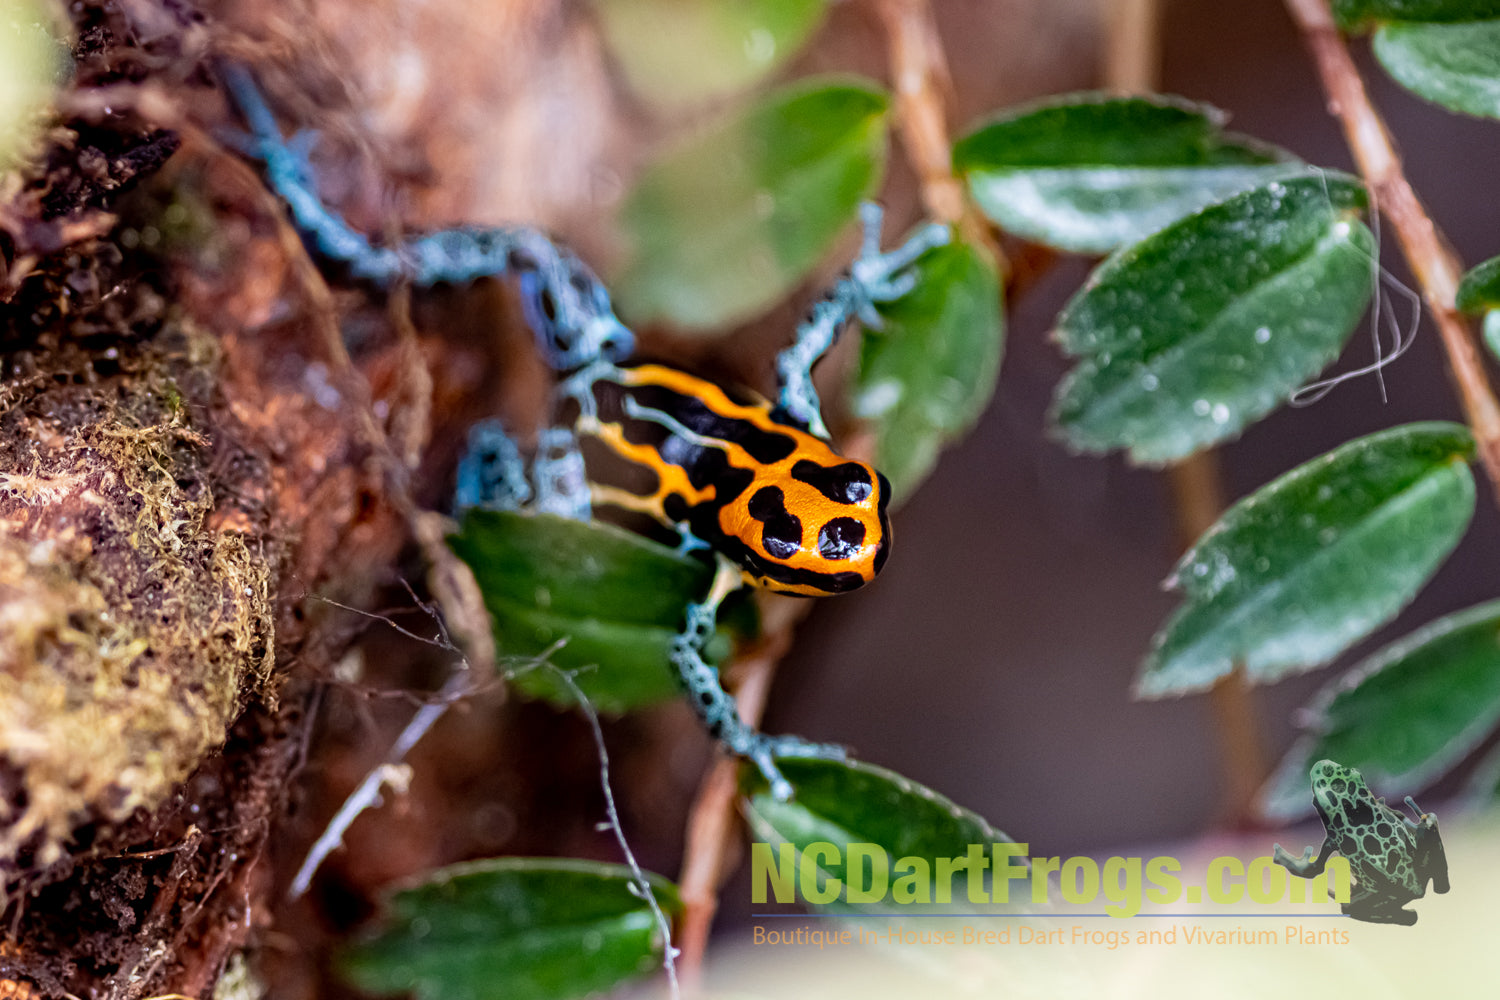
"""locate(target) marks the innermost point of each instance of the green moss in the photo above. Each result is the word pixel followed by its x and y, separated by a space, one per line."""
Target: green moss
pixel 135 617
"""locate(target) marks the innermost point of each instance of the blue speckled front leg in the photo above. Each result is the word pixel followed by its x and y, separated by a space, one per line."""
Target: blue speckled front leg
pixel 562 485
pixel 717 708
pixel 873 278
pixel 491 473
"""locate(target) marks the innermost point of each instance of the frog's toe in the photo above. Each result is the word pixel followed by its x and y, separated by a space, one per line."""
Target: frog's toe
pixel 1286 859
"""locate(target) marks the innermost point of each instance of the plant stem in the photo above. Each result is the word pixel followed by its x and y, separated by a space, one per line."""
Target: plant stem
pixel 919 72
pixel 1433 262
pixel 1132 61
pixel 1198 499
pixel 1132 51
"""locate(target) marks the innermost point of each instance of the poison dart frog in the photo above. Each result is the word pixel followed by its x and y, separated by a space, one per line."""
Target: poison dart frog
pixel 753 483
pixel 1390 856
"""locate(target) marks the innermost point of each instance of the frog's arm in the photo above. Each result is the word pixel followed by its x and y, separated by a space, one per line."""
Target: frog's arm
pixel 1306 866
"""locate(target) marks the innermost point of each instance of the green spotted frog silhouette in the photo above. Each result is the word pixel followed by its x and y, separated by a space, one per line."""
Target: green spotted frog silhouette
pixel 1391 857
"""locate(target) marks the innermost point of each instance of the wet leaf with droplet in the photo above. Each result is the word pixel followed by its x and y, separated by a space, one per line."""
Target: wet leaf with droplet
pixel 1193 333
pixel 1090 172
pixel 1293 574
pixel 1454 65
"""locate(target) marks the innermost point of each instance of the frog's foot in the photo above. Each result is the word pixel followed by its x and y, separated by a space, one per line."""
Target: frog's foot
pixel 1380 910
pixel 764 751
pixel 877 277
pixel 1309 865
pixel 796 746
pixel 562 486
pixel 873 278
pixel 492 472
pixel 689 542
pixel 1284 858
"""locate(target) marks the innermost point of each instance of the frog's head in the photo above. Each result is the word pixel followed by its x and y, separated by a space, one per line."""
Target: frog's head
pixel 1335 787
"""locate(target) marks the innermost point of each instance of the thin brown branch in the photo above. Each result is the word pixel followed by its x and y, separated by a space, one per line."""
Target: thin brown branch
pixel 1132 53
pixel 411 412
pixel 919 71
pixel 1197 486
pixel 1433 262
pixel 1132 64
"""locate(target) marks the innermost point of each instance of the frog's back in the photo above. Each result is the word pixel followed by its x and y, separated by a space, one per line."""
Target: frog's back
pixel 1372 836
pixel 796 516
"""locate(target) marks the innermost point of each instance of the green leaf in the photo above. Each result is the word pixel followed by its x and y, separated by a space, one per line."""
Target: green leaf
pixel 1482 790
pixel 925 377
pixel 729 222
pixel 677 53
pixel 1318 559
pixel 1479 291
pixel 1405 715
pixel 1491 332
pixel 617 598
pixel 1480 288
pixel 1362 13
pixel 1091 173
pixel 849 802
pixel 1192 334
pixel 1455 65
pixel 517 928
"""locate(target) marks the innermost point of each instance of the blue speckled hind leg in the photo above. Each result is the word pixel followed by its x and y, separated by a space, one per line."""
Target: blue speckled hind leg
pixel 873 278
pixel 492 473
pixel 717 708
pixel 290 175
pixel 569 309
pixel 567 305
